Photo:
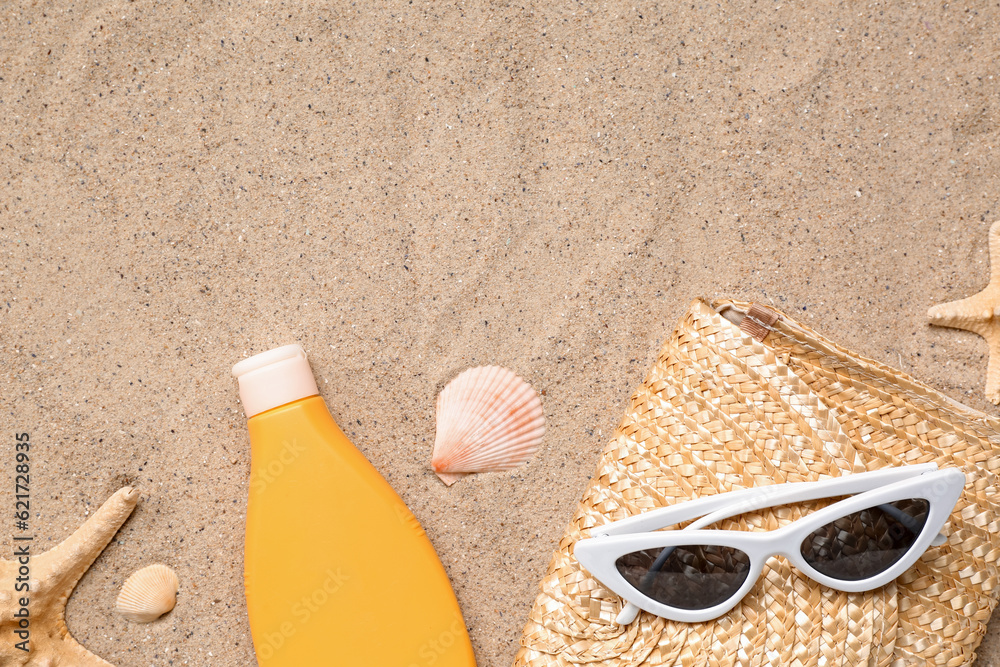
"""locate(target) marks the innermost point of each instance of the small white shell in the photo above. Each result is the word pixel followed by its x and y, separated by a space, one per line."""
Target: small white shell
pixel 148 594
pixel 488 419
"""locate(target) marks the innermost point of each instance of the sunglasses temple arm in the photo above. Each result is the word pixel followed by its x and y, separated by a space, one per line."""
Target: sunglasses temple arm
pixel 911 524
pixel 627 614
pixel 666 551
pixel 729 504
pixel 654 569
pixel 630 611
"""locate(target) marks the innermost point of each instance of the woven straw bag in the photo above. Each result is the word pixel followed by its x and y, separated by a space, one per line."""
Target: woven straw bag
pixel 742 396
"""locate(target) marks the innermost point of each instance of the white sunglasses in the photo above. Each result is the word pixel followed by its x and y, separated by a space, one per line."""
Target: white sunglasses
pixel 857 544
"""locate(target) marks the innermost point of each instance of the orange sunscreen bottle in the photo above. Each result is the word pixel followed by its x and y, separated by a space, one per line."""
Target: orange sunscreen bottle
pixel 338 572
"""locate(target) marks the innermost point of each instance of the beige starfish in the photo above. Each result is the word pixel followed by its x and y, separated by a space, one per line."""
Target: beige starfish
pixel 54 575
pixel 980 313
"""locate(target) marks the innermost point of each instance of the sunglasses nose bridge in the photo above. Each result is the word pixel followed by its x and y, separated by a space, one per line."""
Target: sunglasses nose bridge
pixel 783 541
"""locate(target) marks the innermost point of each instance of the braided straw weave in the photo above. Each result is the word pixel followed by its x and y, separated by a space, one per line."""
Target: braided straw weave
pixel 730 406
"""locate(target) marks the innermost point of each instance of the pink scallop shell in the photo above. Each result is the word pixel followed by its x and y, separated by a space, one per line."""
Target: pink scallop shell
pixel 488 420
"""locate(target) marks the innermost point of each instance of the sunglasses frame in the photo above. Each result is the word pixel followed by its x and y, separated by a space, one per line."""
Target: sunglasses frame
pixel 598 554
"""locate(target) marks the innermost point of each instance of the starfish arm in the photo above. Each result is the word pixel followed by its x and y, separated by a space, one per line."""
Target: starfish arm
pixel 82 657
pixel 63 566
pixel 972 314
pixel 55 646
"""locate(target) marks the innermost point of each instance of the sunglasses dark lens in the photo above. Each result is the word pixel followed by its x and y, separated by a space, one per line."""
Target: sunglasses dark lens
pixel 686 577
pixel 864 544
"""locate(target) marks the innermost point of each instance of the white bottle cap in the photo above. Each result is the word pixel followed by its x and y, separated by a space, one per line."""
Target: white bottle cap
pixel 274 378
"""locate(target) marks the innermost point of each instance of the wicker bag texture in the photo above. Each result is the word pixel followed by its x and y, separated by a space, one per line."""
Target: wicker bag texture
pixel 742 396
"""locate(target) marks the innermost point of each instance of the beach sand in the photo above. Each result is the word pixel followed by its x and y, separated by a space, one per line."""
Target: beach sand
pixel 411 189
